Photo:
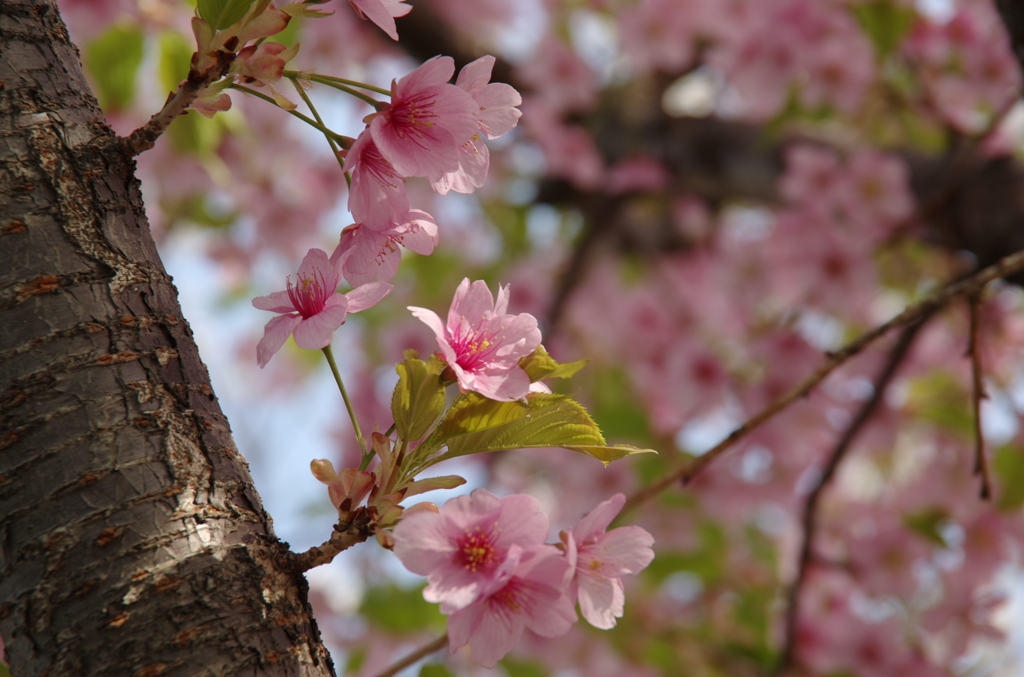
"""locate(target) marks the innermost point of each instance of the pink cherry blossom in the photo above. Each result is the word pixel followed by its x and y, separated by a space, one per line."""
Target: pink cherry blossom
pixel 463 548
pixel 482 343
pixel 497 101
pixel 367 255
pixel 529 592
pixel 427 122
pixel 377 196
pixel 312 306
pixel 382 13
pixel 497 115
pixel 602 558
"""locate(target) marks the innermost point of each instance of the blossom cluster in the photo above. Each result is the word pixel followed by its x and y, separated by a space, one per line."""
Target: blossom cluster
pixel 489 568
pixel 430 129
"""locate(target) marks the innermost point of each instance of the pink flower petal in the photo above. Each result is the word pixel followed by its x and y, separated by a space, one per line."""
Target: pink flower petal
pixel 276 332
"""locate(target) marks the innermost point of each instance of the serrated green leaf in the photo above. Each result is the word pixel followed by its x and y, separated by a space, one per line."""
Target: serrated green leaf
pixel 540 365
pixel 419 396
pixel 112 59
pixel 608 454
pixel 174 59
pixel 885 22
pixel 476 425
pixel 222 13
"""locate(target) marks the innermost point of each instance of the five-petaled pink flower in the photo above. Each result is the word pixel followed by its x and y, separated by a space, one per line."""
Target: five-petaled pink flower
pixel 313 307
pixel 482 343
pixel 529 592
pixel 428 120
pixel 462 550
pixel 601 560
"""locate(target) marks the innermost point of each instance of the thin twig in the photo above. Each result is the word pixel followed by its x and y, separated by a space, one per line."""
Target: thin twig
pixel 977 395
pixel 896 357
pixel 416 655
pixel 911 314
pixel 342 538
pixel 144 138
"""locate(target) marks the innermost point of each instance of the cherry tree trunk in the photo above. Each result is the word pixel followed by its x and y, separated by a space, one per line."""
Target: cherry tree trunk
pixel 132 541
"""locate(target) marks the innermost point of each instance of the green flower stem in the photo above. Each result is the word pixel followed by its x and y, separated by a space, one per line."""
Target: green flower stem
pixel 334 146
pixel 331 80
pixel 309 121
pixel 348 405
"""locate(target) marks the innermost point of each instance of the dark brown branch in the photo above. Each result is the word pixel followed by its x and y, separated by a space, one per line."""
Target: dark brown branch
pixel 416 655
pixel 910 315
pixel 144 138
pixel 977 395
pixel 344 537
pixel 809 521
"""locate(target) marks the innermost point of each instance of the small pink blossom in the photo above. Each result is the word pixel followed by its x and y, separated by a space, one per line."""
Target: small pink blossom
pixel 602 558
pixel 482 343
pixel 529 592
pixel 312 307
pixel 366 255
pixel 462 550
pixel 382 13
pixel 377 196
pixel 427 122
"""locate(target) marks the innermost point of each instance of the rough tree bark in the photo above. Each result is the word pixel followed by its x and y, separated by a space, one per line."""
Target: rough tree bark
pixel 132 541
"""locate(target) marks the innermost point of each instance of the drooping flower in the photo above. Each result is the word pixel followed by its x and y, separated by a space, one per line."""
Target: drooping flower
pixel 382 13
pixel 496 116
pixel 462 550
pixel 377 196
pixel 602 558
pixel 482 343
pixel 427 121
pixel 528 593
pixel 366 255
pixel 312 306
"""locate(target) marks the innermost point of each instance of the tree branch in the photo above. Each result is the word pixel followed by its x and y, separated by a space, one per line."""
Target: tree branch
pixel 977 395
pixel 910 315
pixel 144 138
pixel 896 357
pixel 342 538
pixel 416 655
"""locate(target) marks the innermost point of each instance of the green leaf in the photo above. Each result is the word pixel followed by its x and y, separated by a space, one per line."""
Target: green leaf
pixel 222 13
pixel 885 22
pixel 112 59
pixel 432 483
pixel 174 60
pixel 539 365
pixel 419 396
pixel 399 610
pixel 927 524
pixel 435 670
pixel 1008 465
pixel 4 670
pixel 476 425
